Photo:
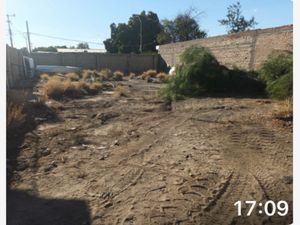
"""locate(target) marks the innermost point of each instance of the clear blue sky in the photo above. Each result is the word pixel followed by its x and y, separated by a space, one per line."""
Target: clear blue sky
pixel 89 20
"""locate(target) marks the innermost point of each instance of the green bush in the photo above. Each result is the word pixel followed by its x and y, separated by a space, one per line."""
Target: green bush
pixel 200 74
pixel 281 88
pixel 278 64
pixel 277 73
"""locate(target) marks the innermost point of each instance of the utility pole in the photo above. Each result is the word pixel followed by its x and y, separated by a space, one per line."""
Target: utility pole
pixel 28 37
pixel 141 33
pixel 9 29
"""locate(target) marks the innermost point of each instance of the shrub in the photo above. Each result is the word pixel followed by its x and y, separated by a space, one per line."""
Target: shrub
pixel 121 91
pixel 86 74
pixel 54 88
pixel 71 90
pixel 281 88
pixel 106 74
pixel 14 115
pixel 57 89
pixel 200 73
pixel 95 87
pixel 57 77
pixel 132 75
pixel 278 64
pixel 72 76
pixel 144 76
pixel 44 76
pixel 81 84
pixel 118 76
pixel 149 73
pixel 284 110
pixel 277 72
pixel 163 77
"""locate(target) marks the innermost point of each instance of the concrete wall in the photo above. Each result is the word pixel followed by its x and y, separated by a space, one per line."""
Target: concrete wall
pixel 246 50
pixel 136 63
pixel 14 67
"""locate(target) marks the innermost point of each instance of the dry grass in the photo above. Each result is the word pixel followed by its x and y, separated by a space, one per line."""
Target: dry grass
pixel 121 91
pixel 14 115
pixel 70 89
pixel 96 86
pixel 106 74
pixel 284 110
pixel 44 76
pixel 72 76
pixel 54 88
pixel 41 100
pixel 149 73
pixel 118 75
pixel 57 77
pixel 87 74
pixel 132 75
pixel 57 88
pixel 163 77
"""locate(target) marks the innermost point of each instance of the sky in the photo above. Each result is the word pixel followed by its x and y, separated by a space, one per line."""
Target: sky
pixel 90 20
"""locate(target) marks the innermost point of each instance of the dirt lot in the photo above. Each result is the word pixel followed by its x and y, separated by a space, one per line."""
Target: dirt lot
pixel 124 160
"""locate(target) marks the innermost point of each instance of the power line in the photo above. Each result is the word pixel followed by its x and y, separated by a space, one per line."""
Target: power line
pixel 89 42
pixel 65 39
pixel 74 40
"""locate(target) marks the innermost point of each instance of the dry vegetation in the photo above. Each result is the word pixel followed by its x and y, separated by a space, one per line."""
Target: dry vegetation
pixel 149 73
pixel 153 75
pixel 44 76
pixel 121 91
pixel 75 85
pixel 104 146
pixel 15 115
pixel 285 110
pixel 132 75
pixel 163 77
pixel 118 76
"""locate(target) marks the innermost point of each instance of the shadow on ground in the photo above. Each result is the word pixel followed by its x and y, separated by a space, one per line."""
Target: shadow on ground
pixel 24 209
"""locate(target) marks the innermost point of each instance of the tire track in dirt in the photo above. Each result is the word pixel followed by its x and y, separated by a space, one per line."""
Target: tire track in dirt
pixel 186 166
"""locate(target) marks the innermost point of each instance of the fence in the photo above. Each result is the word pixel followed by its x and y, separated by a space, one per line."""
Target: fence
pixel 14 67
pixel 136 63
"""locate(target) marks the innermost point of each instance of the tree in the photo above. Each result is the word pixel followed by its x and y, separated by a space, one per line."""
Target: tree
pixel 183 28
pixel 24 51
pixel 125 37
pixel 48 49
pixel 83 45
pixel 168 33
pixel 235 21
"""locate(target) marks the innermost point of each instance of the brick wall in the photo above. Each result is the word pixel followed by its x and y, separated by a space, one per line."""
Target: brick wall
pixel 246 50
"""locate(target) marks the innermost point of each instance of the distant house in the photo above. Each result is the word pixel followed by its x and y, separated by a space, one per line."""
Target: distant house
pixel 74 50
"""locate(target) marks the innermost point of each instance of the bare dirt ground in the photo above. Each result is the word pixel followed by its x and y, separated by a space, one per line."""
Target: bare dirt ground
pixel 123 160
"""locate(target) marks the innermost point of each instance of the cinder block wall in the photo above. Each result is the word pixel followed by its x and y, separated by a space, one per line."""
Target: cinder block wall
pixel 246 50
pixel 136 63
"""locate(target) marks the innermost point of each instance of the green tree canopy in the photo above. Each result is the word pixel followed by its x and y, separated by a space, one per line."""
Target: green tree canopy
pixel 183 28
pixel 83 45
pixel 125 37
pixel 235 21
pixel 48 49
